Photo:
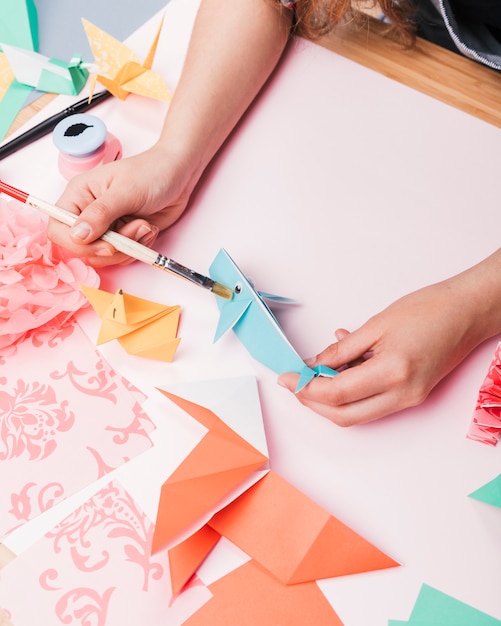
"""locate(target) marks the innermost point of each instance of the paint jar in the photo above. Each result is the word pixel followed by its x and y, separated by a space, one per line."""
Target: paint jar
pixel 84 143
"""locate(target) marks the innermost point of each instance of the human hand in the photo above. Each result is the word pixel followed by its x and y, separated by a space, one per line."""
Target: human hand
pixel 396 358
pixel 138 197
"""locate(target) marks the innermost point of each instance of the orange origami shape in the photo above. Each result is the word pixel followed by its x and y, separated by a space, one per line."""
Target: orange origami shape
pixel 215 467
pixel 282 529
pixel 186 557
pixel 247 596
pixel 119 68
pixel 142 327
pixel 293 537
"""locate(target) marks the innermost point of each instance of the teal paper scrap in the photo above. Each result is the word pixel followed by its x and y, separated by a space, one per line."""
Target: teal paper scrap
pixel 489 493
pixel 434 608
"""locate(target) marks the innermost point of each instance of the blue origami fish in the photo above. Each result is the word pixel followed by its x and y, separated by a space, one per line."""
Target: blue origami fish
pixel 255 325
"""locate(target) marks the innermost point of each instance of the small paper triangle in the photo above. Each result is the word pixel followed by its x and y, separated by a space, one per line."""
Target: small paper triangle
pixel 489 493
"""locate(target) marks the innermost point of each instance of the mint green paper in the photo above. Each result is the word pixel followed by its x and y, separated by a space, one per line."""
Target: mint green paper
pixel 45 73
pixel 434 608
pixel 18 27
pixel 19 23
pixel 434 622
pixel 70 84
pixel 489 493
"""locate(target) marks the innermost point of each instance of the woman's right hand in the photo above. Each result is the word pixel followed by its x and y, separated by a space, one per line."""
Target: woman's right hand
pixel 138 197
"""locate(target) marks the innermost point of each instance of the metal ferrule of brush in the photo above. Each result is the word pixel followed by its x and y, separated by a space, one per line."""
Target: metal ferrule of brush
pixel 169 265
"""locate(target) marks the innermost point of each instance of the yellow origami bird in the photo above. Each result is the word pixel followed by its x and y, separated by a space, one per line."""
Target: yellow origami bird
pixel 142 327
pixel 119 68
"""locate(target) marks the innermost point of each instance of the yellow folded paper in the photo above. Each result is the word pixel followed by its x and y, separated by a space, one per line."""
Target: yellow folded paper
pixel 119 68
pixel 6 75
pixel 142 327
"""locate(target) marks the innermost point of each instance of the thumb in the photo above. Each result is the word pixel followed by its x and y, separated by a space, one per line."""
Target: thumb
pixel 92 222
pixel 348 350
pixel 340 333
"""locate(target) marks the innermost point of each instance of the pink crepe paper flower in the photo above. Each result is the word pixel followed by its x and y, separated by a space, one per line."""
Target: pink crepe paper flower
pixel 486 420
pixel 39 284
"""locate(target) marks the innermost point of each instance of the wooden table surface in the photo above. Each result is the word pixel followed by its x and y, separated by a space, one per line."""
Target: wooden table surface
pixel 435 71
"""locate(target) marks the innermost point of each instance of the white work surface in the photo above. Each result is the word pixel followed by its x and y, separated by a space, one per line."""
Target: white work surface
pixel 344 190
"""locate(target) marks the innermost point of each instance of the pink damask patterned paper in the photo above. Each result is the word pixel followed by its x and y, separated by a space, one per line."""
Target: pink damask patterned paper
pixel 66 419
pixel 95 569
pixel 485 424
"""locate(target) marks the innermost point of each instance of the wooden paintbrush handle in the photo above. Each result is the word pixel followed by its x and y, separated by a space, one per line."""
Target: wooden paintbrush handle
pixel 119 242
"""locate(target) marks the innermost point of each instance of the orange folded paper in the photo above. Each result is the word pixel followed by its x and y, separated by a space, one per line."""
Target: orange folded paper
pixel 186 557
pixel 217 465
pixel 119 68
pixel 6 75
pixel 293 537
pixel 247 596
pixel 142 327
pixel 282 529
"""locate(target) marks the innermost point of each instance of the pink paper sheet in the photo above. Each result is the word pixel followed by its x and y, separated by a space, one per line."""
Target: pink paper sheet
pixel 95 568
pixel 66 419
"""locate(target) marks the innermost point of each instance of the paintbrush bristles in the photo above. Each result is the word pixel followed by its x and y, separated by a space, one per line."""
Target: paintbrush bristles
pixel 222 291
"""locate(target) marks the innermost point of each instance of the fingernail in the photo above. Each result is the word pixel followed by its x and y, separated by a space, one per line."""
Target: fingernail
pixel 148 239
pixel 280 382
pixel 142 231
pixel 146 234
pixel 311 361
pixel 104 252
pixel 81 231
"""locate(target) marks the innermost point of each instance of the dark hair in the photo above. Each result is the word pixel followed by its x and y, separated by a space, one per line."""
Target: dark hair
pixel 315 18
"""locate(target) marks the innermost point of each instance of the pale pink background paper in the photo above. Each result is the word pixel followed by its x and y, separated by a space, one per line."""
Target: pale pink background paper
pixel 66 419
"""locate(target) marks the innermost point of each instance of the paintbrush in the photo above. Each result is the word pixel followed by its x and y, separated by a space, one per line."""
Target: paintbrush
pixel 124 244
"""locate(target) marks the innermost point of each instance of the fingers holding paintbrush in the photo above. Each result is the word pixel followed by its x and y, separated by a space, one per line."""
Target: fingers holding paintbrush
pixel 114 197
pixel 121 243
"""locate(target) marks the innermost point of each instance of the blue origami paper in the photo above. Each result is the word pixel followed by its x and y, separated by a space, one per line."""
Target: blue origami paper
pixel 255 325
